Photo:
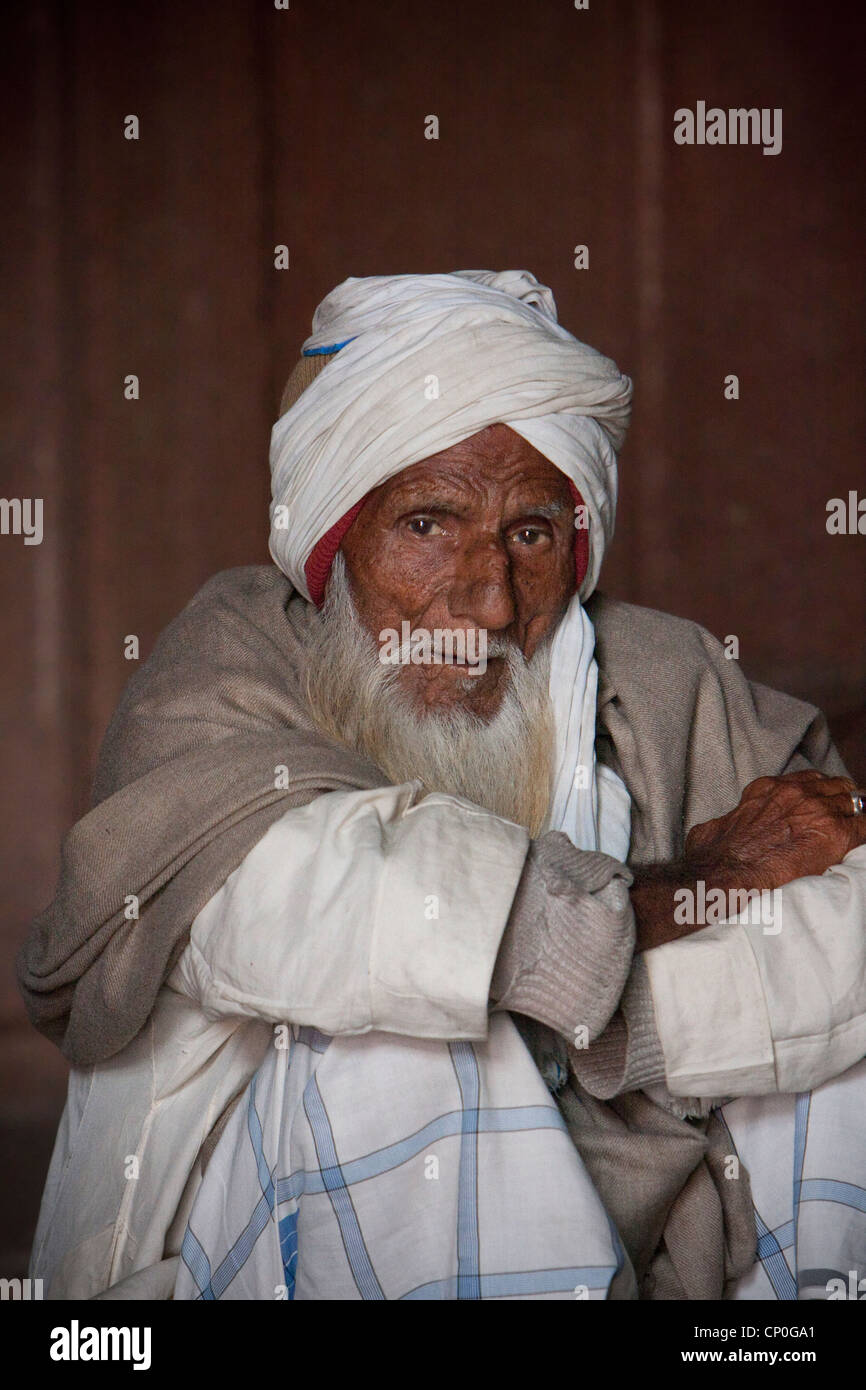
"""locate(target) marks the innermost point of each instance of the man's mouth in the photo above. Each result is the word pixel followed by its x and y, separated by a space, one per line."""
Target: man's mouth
pixel 473 665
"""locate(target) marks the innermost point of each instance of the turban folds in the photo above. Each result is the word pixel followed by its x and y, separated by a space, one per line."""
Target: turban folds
pixel 416 363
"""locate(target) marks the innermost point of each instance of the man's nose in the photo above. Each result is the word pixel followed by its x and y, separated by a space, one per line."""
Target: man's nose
pixel 482 591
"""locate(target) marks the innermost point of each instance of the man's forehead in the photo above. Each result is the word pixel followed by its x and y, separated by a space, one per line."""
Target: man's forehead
pixel 464 470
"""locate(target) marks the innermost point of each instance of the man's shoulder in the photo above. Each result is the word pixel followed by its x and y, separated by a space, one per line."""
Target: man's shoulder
pixel 648 639
pixel 236 621
pixel 232 601
pixel 655 659
pixel 241 582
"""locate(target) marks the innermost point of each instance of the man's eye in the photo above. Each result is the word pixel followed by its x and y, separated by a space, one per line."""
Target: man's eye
pixel 529 535
pixel 423 526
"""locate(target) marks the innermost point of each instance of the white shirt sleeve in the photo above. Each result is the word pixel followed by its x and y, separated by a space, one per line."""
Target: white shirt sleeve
pixel 372 910
pixel 748 1007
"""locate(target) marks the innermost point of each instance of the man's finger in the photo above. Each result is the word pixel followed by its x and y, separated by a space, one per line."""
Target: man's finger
pixel 819 782
pixel 808 780
pixel 834 786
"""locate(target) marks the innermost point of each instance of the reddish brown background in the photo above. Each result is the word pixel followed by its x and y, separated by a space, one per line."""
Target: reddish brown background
pixel 306 127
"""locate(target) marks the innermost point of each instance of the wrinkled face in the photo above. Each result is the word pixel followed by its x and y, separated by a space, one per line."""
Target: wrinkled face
pixel 477 537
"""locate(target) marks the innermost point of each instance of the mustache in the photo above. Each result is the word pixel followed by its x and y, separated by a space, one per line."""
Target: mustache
pixel 472 647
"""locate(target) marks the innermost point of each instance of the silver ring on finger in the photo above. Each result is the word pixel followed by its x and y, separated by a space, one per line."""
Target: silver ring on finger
pixel 858 801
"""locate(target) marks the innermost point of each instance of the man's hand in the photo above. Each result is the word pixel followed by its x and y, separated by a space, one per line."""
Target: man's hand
pixel 783 828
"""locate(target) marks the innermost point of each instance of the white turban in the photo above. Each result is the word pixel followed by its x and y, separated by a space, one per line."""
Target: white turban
pixel 421 362
pixel 425 361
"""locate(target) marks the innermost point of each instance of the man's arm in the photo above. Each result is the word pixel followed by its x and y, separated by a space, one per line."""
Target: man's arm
pixel 787 994
pixel 386 910
pixel 770 999
pixel 783 829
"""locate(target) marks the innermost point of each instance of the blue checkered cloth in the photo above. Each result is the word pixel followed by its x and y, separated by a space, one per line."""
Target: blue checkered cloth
pixel 806 1158
pixel 385 1167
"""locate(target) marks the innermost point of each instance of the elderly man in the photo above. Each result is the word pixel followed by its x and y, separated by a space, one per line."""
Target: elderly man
pixel 433 908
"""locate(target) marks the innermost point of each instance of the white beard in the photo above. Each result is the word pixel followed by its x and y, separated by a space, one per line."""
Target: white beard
pixel 503 764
